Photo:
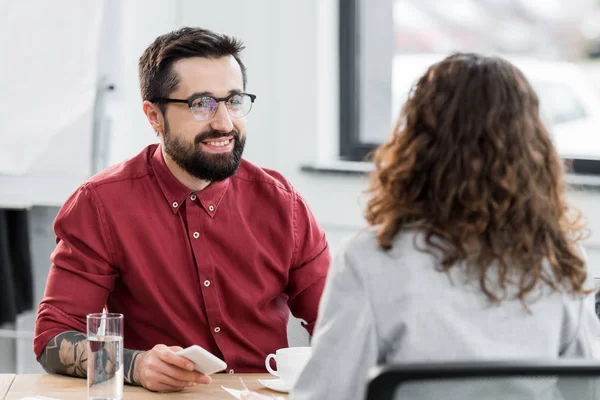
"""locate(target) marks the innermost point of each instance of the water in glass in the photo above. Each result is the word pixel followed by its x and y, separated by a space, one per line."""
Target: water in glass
pixel 105 368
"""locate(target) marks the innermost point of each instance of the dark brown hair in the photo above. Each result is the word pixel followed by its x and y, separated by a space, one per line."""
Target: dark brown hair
pixel 157 78
pixel 471 165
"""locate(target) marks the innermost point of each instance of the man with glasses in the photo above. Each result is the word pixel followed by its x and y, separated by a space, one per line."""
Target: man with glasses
pixel 193 244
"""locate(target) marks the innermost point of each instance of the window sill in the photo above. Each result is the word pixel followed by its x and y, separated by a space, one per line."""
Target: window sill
pixel 583 181
pixel 359 168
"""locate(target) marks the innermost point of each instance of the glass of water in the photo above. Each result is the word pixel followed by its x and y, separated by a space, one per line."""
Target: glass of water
pixel 105 356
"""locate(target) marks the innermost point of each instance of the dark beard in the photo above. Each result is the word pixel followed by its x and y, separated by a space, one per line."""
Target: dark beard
pixel 212 167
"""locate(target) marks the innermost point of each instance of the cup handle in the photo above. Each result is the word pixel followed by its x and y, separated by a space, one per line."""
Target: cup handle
pixel 268 365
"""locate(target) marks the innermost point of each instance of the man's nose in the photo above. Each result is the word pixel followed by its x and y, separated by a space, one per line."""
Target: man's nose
pixel 221 121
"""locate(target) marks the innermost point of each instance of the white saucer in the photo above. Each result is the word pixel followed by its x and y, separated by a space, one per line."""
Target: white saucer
pixel 275 384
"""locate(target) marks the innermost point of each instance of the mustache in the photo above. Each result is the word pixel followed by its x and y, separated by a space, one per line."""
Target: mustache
pixel 201 137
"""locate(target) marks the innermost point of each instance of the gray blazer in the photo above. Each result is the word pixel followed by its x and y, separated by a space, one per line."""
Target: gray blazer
pixel 394 307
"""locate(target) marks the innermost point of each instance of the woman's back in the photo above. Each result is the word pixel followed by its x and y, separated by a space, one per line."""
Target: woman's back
pixel 422 314
pixel 388 307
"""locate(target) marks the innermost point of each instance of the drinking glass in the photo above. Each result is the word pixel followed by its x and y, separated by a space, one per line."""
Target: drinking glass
pixel 105 356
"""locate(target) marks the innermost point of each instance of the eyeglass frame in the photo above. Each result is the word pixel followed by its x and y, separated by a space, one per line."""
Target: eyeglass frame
pixel 190 100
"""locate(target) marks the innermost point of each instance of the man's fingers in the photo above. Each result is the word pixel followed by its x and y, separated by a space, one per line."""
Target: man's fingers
pixel 175 383
pixel 180 374
pixel 175 348
pixel 157 376
pixel 157 386
pixel 170 357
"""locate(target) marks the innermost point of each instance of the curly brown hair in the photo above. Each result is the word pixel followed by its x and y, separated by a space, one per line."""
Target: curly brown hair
pixel 471 165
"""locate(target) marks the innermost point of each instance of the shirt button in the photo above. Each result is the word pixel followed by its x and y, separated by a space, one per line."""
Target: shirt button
pixel 217 329
pixel 211 208
pixel 207 283
pixel 193 197
pixel 196 235
pixel 175 204
pixel 231 371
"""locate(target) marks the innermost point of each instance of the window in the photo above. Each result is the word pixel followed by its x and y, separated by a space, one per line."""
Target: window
pixel 386 45
pixel 559 103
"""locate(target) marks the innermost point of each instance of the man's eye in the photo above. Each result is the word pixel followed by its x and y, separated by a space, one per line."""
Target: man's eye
pixel 206 102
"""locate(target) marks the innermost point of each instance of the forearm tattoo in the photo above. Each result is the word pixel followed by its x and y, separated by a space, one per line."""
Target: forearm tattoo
pixel 67 354
pixel 129 359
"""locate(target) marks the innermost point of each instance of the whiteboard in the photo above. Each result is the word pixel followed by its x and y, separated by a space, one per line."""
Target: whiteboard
pixel 48 85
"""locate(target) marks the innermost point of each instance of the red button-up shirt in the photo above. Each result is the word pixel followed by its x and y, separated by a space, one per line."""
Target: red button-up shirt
pixel 220 268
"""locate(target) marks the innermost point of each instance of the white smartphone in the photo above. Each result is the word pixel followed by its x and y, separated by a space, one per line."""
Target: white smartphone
pixel 204 362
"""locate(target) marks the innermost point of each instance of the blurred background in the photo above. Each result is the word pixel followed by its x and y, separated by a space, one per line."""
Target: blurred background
pixel 330 76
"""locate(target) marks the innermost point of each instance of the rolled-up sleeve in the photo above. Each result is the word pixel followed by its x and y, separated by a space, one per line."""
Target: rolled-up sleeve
pixel 83 271
pixel 309 265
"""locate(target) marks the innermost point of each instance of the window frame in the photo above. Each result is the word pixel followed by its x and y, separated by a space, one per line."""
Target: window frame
pixel 353 70
pixel 352 73
pixel 350 147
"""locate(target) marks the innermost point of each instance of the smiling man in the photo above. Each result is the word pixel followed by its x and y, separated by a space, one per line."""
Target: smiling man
pixel 193 244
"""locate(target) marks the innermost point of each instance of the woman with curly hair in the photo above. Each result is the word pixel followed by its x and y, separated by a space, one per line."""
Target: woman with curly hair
pixel 473 251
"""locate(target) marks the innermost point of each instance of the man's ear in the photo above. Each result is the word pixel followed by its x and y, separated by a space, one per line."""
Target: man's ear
pixel 155 116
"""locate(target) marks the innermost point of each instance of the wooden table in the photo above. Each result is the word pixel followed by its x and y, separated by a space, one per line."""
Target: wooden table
pixel 5 381
pixel 66 388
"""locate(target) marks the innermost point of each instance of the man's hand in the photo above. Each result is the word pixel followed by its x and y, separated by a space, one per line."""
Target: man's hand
pixel 161 370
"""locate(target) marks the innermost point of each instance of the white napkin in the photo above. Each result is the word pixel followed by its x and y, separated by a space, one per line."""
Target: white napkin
pixel 38 398
pixel 102 327
pixel 235 393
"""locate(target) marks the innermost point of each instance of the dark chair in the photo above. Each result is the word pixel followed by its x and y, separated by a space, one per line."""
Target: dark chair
pixel 505 380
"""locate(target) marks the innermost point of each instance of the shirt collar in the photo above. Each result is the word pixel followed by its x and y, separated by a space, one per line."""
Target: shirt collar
pixel 177 193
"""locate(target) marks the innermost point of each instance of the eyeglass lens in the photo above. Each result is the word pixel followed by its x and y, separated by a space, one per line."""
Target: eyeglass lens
pixel 205 107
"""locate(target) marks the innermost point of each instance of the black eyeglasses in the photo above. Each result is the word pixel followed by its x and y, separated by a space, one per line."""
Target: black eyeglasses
pixel 205 107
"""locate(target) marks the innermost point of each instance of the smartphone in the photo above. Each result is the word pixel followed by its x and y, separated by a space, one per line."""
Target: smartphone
pixel 204 362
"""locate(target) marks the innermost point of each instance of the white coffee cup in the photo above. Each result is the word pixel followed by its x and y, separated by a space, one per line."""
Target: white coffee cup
pixel 290 362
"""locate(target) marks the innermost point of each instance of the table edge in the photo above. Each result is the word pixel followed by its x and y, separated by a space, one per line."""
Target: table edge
pixel 12 381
